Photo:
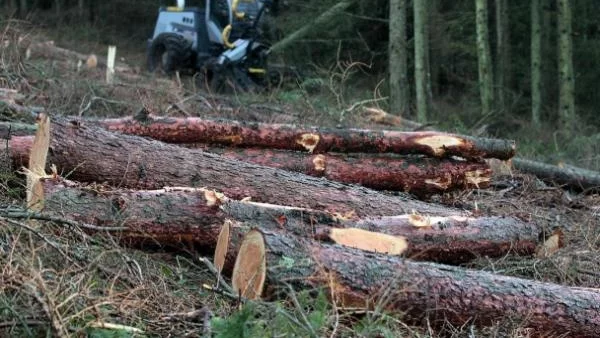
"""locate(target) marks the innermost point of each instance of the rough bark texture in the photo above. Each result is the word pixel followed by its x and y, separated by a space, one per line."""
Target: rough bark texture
pixel 92 154
pixel 415 174
pixel 398 59
pixel 177 216
pixel 418 175
pixel 311 139
pixel 457 239
pixel 19 148
pixel 576 178
pixel 440 293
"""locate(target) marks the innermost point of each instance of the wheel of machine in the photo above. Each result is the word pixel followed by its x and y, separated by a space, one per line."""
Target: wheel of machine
pixel 168 53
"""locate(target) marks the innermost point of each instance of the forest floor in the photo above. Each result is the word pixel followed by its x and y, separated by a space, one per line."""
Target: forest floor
pixel 58 279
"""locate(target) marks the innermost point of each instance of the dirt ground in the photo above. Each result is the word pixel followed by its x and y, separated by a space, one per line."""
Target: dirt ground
pixel 57 279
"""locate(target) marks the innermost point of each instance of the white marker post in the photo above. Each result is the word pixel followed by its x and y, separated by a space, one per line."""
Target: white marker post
pixel 110 63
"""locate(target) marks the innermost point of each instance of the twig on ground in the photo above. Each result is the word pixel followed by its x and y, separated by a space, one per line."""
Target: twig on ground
pixel 38 234
pixel 16 213
pixel 214 271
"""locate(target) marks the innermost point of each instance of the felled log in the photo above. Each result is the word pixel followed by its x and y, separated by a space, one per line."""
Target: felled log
pixel 426 290
pixel 92 154
pixel 176 216
pixel 49 50
pixel 308 139
pixel 414 174
pixel 577 178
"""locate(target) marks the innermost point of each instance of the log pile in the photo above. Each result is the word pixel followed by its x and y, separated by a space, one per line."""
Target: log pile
pixel 284 225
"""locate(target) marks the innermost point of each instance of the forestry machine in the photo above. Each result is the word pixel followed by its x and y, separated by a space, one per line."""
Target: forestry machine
pixel 221 41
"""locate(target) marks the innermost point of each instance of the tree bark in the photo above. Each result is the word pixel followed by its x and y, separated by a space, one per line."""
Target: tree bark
pixel 415 174
pixel 426 290
pixel 420 13
pixel 91 154
pixel 311 139
pixel 421 176
pixel 486 80
pixel 187 216
pixel 565 64
pixel 398 59
pixel 536 62
pixel 577 178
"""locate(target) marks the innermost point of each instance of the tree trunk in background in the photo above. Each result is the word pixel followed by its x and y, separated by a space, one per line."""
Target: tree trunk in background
pixel 549 73
pixel 503 62
pixel 431 6
pixel 565 64
pixel 536 62
pixel 486 80
pixel 421 46
pixel 398 59
pixel 435 28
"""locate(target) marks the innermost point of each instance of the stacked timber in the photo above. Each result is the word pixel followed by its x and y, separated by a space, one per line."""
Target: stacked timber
pixel 283 225
pixel 422 163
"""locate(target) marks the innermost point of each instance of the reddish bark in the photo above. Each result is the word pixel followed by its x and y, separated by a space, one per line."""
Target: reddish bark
pixel 311 139
pixel 439 293
pixel 193 216
pixel 416 174
pixel 19 148
pixel 92 154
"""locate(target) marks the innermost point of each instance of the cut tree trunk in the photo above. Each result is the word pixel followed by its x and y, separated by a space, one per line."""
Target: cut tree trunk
pixel 418 175
pixel 92 154
pixel 411 173
pixel 426 290
pixel 177 216
pixel 574 177
pixel 48 50
pixel 311 139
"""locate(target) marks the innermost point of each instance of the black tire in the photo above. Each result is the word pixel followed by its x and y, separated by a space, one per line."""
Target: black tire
pixel 168 53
